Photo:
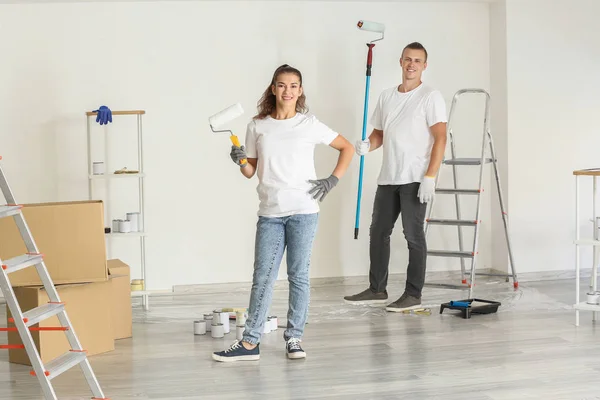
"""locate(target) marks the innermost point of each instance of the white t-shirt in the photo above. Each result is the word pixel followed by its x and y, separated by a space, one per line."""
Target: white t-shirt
pixel 285 152
pixel 405 119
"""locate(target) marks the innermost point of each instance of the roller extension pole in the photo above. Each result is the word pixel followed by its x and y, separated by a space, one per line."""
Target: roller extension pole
pixel 371 27
pixel 363 136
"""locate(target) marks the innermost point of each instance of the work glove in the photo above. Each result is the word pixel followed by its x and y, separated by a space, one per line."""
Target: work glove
pixel 238 154
pixel 104 115
pixel 362 147
pixel 322 187
pixel 426 189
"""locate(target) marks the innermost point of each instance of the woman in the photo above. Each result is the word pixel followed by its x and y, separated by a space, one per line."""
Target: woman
pixel 279 147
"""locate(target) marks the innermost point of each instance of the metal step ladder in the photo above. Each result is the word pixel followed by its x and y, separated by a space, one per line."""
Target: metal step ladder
pixel 24 321
pixel 484 159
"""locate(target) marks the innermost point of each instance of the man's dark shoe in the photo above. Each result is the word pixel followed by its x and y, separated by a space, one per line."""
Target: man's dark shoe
pixel 405 302
pixel 367 297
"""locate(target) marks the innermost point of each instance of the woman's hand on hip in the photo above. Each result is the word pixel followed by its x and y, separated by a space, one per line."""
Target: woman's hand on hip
pixel 322 187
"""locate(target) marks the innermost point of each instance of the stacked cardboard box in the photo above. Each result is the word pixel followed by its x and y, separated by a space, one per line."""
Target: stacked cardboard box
pixel 95 290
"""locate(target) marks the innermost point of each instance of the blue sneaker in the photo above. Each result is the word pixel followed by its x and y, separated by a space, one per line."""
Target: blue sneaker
pixel 237 352
pixel 293 349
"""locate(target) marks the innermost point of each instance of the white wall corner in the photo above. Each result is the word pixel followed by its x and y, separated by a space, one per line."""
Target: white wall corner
pixel 499 130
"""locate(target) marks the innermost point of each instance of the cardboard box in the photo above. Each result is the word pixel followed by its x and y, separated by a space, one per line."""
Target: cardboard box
pixel 69 234
pixel 119 275
pixel 88 307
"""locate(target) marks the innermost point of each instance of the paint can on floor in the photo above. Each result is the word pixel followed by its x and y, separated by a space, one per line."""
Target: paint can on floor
pixel 273 323
pixel 216 316
pixel 200 327
pixel 239 332
pixel 267 326
pixel 216 330
pixel 209 319
pixel 240 318
pixel 225 321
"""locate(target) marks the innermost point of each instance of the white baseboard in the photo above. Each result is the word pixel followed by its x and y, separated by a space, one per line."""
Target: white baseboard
pixel 436 276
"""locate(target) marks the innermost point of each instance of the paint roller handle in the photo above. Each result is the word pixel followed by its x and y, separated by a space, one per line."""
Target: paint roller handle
pixel 370 54
pixel 236 143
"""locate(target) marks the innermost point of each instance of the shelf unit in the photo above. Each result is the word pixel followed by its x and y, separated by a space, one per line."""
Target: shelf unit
pixel 110 175
pixel 579 305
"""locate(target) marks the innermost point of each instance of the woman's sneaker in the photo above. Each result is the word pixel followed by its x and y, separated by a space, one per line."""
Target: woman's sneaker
pixel 293 349
pixel 237 352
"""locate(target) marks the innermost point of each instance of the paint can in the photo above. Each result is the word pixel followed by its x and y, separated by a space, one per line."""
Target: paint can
pixel 240 318
pixel 239 332
pixel 116 225
pixel 267 326
pixel 200 327
pixel 216 330
pixel 98 168
pixel 134 220
pixel 124 226
pixel 137 285
pixel 273 323
pixel 225 322
pixel 209 319
pixel 593 298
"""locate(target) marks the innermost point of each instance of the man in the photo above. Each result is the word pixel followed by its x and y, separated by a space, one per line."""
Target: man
pixel 409 122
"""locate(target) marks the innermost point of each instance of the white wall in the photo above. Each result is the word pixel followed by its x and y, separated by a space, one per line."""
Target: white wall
pixel 553 59
pixel 181 62
pixel 499 121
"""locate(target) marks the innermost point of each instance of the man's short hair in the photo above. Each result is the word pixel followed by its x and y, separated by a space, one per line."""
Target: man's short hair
pixel 415 46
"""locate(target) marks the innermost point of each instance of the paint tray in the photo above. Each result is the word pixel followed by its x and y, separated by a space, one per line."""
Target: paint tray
pixel 476 306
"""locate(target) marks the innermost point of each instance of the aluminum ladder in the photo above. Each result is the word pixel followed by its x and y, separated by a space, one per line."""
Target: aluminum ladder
pixel 459 222
pixel 25 321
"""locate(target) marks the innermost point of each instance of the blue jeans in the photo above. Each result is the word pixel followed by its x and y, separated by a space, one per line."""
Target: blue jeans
pixel 273 235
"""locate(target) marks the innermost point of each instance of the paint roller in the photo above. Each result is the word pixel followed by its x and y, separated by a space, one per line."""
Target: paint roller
pixel 378 28
pixel 222 117
pixel 371 27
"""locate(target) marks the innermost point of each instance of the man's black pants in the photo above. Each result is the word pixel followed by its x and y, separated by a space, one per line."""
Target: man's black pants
pixel 390 202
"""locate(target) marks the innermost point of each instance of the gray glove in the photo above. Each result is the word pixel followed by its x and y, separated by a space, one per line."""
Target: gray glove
pixel 323 187
pixel 238 154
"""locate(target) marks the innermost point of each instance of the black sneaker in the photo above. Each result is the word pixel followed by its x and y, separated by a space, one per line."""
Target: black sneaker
pixel 405 302
pixel 237 352
pixel 367 297
pixel 293 349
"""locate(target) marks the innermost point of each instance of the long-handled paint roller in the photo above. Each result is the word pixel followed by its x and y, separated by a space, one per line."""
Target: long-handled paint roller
pixel 370 27
pixel 225 116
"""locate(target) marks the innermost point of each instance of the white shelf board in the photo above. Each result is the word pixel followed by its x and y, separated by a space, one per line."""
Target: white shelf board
pixel 587 242
pixel 116 176
pixel 165 292
pixel 140 293
pixel 125 234
pixel 583 306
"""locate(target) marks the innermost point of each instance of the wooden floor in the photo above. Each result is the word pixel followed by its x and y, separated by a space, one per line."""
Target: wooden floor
pixel 530 349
